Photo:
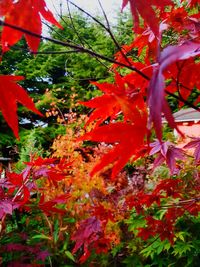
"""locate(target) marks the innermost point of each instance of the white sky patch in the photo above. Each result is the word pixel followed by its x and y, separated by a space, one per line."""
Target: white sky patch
pixel 111 7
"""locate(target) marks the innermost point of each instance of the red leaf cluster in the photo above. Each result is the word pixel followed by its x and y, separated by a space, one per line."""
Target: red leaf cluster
pixel 11 94
pixel 146 11
pixel 25 14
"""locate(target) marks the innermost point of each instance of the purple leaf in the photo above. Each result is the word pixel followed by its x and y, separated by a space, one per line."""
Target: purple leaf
pixel 173 53
pixel 42 255
pixel 15 247
pixel 155 100
pixel 166 152
pixel 156 95
pixel 195 143
pixel 7 206
pixel 86 233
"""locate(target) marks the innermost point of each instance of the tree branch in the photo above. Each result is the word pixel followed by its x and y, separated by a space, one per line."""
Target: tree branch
pixel 82 49
pixel 107 29
pixel 78 48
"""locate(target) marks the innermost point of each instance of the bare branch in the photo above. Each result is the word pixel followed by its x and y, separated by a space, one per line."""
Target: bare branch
pixel 76 47
pixel 81 49
pixel 83 41
pixel 108 29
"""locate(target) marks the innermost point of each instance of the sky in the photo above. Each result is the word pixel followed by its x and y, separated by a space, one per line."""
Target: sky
pixel 111 7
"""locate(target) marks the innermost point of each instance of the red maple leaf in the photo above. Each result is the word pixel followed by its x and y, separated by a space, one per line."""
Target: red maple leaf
pixel 172 188
pixel 53 169
pixel 185 83
pixel 121 96
pixel 145 10
pixel 173 213
pixel 25 14
pixel 128 140
pixel 15 179
pixel 4 7
pixel 49 207
pixel 157 227
pixel 24 197
pixel 43 162
pixel 11 93
pixel 103 214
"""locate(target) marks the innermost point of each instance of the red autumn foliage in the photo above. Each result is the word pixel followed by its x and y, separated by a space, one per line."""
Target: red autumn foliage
pixel 122 96
pixel 147 13
pixel 11 93
pixel 25 14
pixel 129 139
pixel 122 118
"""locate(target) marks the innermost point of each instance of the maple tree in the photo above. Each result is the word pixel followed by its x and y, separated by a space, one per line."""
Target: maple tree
pixel 92 184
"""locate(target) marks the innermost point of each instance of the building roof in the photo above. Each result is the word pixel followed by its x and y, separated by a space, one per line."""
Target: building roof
pixel 186 115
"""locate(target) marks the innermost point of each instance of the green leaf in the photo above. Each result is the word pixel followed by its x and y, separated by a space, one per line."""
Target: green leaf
pixel 167 246
pixel 181 248
pixel 159 249
pixel 56 231
pixel 69 255
pixel 69 220
pixel 41 236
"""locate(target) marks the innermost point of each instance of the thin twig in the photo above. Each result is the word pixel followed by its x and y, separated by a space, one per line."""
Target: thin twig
pixel 83 42
pixel 108 29
pixel 77 47
pixel 81 49
pixel 180 98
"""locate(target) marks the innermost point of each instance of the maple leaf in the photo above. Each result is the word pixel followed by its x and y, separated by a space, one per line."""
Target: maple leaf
pixel 4 7
pixel 15 179
pixel 24 197
pixel 103 214
pixel 172 187
pixel 7 206
pixel 121 96
pixel 52 174
pixel 173 213
pixel 128 139
pixel 11 93
pixel 195 143
pixel 53 169
pixel 135 201
pixel 48 207
pixel 156 96
pixel 85 235
pixel 101 245
pixel 42 161
pixel 166 152
pixel 146 11
pixel 25 14
pixel 186 82
pixel 157 227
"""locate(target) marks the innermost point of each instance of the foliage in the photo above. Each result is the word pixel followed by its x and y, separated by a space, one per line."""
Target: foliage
pixel 128 199
pixel 55 92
